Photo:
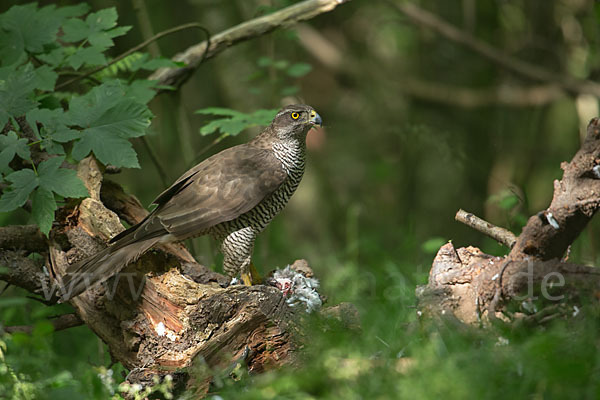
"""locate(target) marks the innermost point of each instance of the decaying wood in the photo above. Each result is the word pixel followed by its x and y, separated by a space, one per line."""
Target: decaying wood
pixel 475 287
pixel 22 237
pixel 165 312
pixel 501 235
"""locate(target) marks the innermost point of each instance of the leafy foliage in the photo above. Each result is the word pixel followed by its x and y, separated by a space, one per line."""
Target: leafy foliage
pixel 10 145
pixel 49 178
pixel 108 117
pixel 234 121
pixel 36 46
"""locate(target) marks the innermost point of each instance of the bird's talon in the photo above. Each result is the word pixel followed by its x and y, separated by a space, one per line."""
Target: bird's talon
pixel 247 278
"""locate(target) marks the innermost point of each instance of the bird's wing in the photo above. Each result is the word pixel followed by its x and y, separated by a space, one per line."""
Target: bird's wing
pixel 219 189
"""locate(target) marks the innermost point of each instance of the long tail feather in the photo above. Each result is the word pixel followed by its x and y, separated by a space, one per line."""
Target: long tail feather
pixel 101 266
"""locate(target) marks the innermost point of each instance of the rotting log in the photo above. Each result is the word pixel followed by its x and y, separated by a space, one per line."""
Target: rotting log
pixel 476 287
pixel 163 314
pixel 165 311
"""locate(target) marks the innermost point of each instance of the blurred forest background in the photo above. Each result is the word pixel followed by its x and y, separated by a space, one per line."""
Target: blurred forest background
pixel 416 126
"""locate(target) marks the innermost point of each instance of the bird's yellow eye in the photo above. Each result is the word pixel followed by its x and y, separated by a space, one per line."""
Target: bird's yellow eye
pixel 295 115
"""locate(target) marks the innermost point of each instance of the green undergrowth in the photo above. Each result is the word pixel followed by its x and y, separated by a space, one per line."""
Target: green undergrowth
pixel 394 354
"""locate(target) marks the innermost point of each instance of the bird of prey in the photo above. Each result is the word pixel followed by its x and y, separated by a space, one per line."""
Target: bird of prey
pixel 232 196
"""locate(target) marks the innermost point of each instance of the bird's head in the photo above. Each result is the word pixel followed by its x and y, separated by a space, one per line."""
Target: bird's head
pixel 295 121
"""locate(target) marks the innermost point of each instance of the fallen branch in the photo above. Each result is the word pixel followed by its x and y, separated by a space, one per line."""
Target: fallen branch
pixel 194 55
pixel 22 271
pixel 421 17
pixel 472 285
pixel 503 236
pixel 23 237
pixel 59 323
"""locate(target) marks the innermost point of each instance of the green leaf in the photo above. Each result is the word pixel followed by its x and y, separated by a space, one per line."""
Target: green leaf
pixel 12 48
pixel 43 206
pixel 17 90
pixel 107 148
pixel 60 180
pixel 54 129
pixel 141 90
pixel 102 20
pixel 91 56
pixel 16 93
pixel 53 57
pixel 45 78
pixel 237 122
pixel 34 27
pixel 108 118
pixel 23 183
pixel 74 30
pixel 27 28
pixel 96 29
pixel 299 69
pixel 11 144
pixel 72 11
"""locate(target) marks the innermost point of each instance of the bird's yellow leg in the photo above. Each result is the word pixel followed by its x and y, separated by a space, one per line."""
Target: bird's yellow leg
pixel 251 277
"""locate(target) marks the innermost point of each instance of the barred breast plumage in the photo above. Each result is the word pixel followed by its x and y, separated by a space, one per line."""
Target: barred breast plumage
pixel 237 236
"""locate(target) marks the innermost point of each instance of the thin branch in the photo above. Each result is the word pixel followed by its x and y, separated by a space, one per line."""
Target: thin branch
pixel 134 49
pixel 194 55
pixel 503 236
pixel 22 271
pixel 511 96
pixel 421 17
pixel 83 75
pixel 59 323
pixel 23 237
pixel 154 159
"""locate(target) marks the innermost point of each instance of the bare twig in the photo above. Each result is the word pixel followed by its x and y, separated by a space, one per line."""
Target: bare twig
pixel 136 48
pixel 59 323
pixel 193 56
pixel 503 236
pixel 161 171
pixel 422 17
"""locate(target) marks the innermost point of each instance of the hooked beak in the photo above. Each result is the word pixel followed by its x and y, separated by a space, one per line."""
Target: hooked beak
pixel 315 118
